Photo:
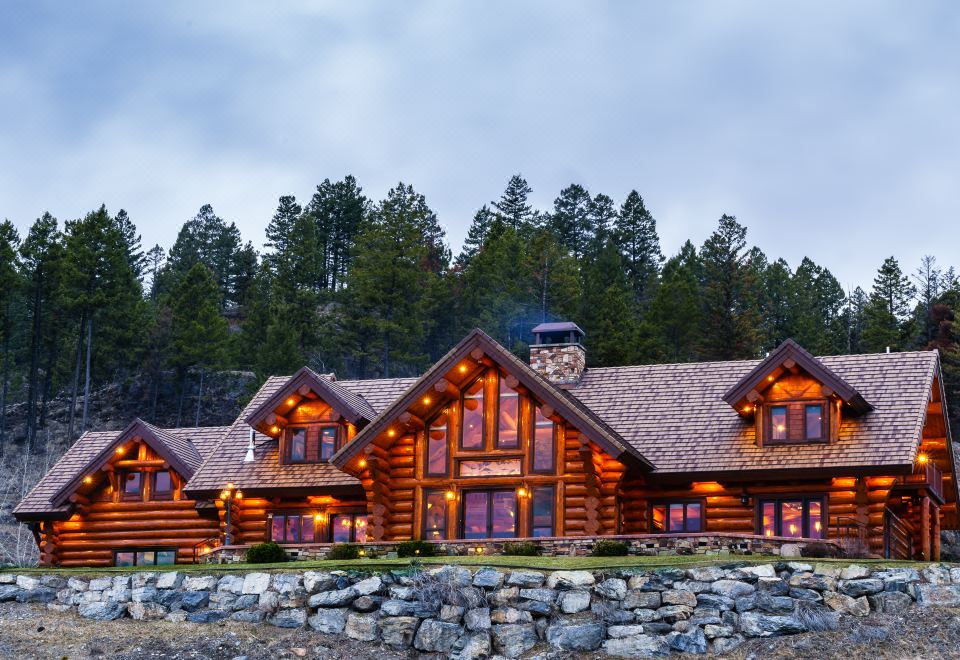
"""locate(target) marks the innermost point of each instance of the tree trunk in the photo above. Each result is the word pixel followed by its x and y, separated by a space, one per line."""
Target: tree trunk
pixel 76 378
pixel 4 387
pixel 156 392
pixel 34 361
pixel 86 386
pixel 183 392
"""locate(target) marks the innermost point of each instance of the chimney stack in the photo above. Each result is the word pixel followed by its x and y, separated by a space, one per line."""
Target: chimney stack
pixel 557 352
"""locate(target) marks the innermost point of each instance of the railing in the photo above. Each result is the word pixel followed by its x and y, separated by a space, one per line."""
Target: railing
pixel 927 474
pixel 853 536
pixel 897 536
pixel 205 546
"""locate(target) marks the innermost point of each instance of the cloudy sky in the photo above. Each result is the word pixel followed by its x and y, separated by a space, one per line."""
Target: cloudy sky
pixel 830 129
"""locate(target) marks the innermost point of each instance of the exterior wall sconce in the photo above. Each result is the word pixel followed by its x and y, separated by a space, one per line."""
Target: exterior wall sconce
pixel 450 495
pixel 745 499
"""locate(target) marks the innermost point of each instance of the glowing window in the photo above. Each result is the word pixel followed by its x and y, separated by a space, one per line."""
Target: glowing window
pixel 471 432
pixel 682 516
pixel 434 515
pixel 437 447
pixel 508 424
pixel 778 422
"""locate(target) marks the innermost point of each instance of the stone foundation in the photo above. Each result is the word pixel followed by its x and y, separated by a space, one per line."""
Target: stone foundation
pixel 709 544
pixel 462 614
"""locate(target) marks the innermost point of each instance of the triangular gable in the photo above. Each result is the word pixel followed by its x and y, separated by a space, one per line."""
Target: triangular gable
pixel 563 404
pixel 181 456
pixel 790 355
pixel 349 405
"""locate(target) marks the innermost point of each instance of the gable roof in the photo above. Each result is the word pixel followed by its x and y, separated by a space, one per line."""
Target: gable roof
pixel 792 353
pixel 226 465
pixel 676 415
pixel 572 410
pixel 347 403
pixel 183 448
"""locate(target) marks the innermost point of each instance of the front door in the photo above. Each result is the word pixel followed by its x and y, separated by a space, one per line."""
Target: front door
pixel 489 514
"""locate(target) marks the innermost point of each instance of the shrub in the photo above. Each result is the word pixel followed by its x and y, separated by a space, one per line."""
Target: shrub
pixel 265 553
pixel 416 549
pixel 820 550
pixel 344 551
pixel 522 549
pixel 604 548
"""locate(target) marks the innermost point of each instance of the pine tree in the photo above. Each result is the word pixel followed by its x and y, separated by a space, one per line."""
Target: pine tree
pixel 676 309
pixel 888 320
pixel 476 236
pixel 729 296
pixel 198 334
pixel 155 258
pixel 279 235
pixel 776 305
pixel 855 315
pixel 513 209
pixel 601 215
pixel 338 209
pixel 636 234
pixel 131 241
pixel 609 316
pixel 11 288
pixel 570 220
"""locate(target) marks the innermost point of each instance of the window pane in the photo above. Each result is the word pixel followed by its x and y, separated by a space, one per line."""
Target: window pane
pixel 307 529
pixel 676 518
pixel 341 525
pixel 298 444
pixel 693 517
pixel 435 515
pixel 437 446
pixel 166 557
pixel 814 422
pixel 504 468
pixel 658 518
pixel 293 529
pixel 768 519
pixel 543 449
pixel 791 519
pixel 123 559
pixel 543 512
pixel 146 558
pixel 815 519
pixel 778 422
pixel 276 529
pixel 132 483
pixel 360 529
pixel 475 520
pixel 328 442
pixel 162 482
pixel 504 514
pixel 473 417
pixel 508 427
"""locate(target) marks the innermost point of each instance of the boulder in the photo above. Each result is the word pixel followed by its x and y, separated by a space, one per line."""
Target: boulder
pixel 366 603
pixel 813 581
pixel 525 579
pixel 575 601
pixel 510 615
pixel 725 645
pixel 890 602
pixel 314 581
pixel 644 599
pixel 477 619
pixel 861 587
pixel 451 613
pixel 268 601
pixel 102 584
pixel 289 618
pixel 82 585
pixel 505 596
pixel 144 611
pixel 791 551
pixel 854 572
pixel 101 611
pixel 936 574
pixel 27 582
pixel 759 570
pixel 39 595
pixel 245 601
pixel 755 624
pixel 846 604
pixel 674 613
pixel 256 583
pixel 369 586
pixel 612 588
pixel 337 598
pixel 772 586
pixel 206 616
pixel 637 646
pixel 362 627
pixel 167 580
pixel 200 583
pixel 489 578
pixel 542 595
pixel 732 588
pixel 435 636
pixel 513 640
pixel 712 631
pixel 472 646
pixel 398 631
pixel 722 603
pixel 805 594
pixel 231 584
pixel 191 601
pixel 692 641
pixel 395 607
pixel 938 595
pixel 577 637
pixel 143 594
pixel 677 597
pixel 706 574
pixel 248 616
pixel 570 579
pixel 624 631
pixel 330 621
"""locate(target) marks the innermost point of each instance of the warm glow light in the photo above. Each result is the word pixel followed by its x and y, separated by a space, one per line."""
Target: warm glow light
pixel 793 529
pixel 391 433
pixel 450 494
pixel 769 532
pixel 120 450
pixel 291 401
pixel 816 525
pixel 769 377
pixel 426 400
pixel 239 495
pixel 417 551
pixel 345 522
pixel 479 550
pixel 223 495
pixel 230 486
pixel 922 458
pixel 522 492
pixel 747 409
pixel 362 552
pixel 274 430
pixel 780 428
pixel 318 517
pixel 88 480
pixel 363 462
pixel 463 368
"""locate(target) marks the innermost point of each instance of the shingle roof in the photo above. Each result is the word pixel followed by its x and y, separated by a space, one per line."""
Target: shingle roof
pixel 190 445
pixel 226 463
pixel 675 415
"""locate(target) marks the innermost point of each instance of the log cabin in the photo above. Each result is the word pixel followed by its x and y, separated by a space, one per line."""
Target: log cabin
pixel 853 448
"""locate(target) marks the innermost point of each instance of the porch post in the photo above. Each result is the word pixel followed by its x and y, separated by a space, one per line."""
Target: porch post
pixel 925 528
pixel 936 532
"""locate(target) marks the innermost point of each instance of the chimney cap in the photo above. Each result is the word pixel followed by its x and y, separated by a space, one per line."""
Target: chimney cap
pixel 558 326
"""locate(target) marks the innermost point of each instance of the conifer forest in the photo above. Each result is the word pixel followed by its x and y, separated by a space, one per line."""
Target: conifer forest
pixel 369 288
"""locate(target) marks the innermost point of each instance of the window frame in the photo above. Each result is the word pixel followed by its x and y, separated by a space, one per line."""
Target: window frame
pixel 462 509
pixel 354 514
pixel 482 379
pixel 822 498
pixel 446 444
pixel 288 450
pixel 425 495
pixel 787 405
pixel 552 470
pixel 501 383
pixel 336 442
pixel 552 489
pixel 156 494
pixel 124 495
pixel 135 551
pixel 685 501
pixel 272 515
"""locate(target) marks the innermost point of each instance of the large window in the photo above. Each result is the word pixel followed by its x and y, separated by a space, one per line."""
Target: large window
pixel 145 557
pixel 434 515
pixel 162 486
pixel 489 514
pixel 678 516
pixel 348 528
pixel 313 444
pixel 508 424
pixel 328 442
pixel 292 527
pixel 437 464
pixel 132 486
pixel 297 445
pixel 796 422
pixel 793 517
pixel 471 428
pixel 542 508
pixel 544 450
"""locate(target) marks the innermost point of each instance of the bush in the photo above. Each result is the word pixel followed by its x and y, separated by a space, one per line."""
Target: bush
pixel 522 549
pixel 344 551
pixel 265 553
pixel 820 550
pixel 605 548
pixel 416 549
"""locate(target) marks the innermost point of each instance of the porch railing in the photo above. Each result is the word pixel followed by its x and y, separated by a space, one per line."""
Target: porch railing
pixel 853 536
pixel 927 474
pixel 897 536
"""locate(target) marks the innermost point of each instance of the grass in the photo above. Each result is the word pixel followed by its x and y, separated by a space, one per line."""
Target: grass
pixel 535 563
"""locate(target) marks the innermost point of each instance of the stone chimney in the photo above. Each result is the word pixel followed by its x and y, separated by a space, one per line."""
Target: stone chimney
pixel 557 352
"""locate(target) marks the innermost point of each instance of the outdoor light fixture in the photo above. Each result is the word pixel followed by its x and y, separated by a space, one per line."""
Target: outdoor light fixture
pixel 744 499
pixel 463 368
pixel 426 401
pixel 362 552
pixel 922 458
pixel 228 495
pixel 391 433
pixel 479 549
pixel 450 494
pixel 363 462
pixel 318 517
pixel 119 451
pixel 274 430
pixel 291 401
pixel 88 479
pixel 522 492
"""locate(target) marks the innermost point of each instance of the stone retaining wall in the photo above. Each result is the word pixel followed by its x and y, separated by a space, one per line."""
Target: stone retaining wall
pixel 711 544
pixel 465 614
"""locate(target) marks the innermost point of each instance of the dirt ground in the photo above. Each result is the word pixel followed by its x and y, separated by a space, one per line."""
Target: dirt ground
pixel 35 632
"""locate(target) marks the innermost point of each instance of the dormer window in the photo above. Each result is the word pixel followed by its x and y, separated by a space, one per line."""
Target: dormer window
pixel 796 422
pixel 311 444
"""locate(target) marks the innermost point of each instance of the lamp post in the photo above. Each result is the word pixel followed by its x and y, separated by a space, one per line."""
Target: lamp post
pixel 227 496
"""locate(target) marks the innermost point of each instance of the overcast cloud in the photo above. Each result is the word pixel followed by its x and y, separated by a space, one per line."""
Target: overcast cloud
pixel 829 128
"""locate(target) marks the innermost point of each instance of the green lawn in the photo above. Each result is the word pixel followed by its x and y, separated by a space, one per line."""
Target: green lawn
pixel 536 563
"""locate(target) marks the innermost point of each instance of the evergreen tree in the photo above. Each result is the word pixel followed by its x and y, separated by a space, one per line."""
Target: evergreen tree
pixel 570 221
pixel 888 320
pixel 513 209
pixel 11 288
pixel 636 234
pixel 198 334
pixel 338 209
pixel 280 235
pixel 856 320
pixel 556 282
pixel 601 215
pixel 676 310
pixel 476 236
pixel 155 258
pixel 609 320
pixel 776 305
pixel 729 296
pixel 131 242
